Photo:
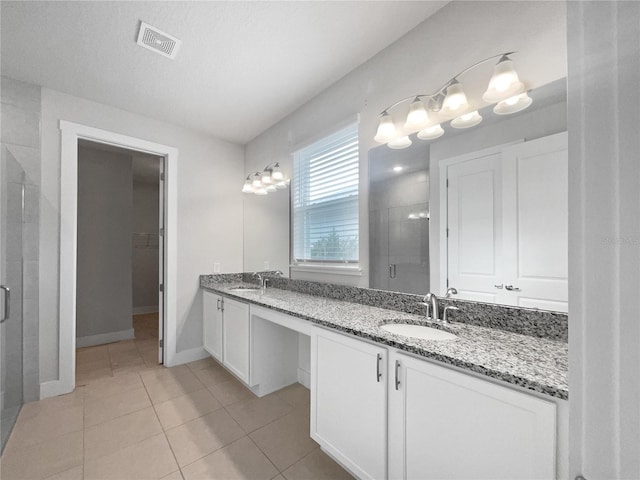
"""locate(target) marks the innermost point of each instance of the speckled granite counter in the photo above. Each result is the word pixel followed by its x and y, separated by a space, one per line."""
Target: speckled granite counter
pixel 534 363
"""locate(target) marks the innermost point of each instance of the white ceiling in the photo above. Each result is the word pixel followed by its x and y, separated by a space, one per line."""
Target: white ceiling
pixel 241 68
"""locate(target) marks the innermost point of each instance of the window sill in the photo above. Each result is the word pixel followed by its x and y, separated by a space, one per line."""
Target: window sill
pixel 351 270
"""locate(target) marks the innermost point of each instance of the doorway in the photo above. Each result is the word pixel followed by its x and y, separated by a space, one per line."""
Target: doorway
pixel 119 260
pixel 70 134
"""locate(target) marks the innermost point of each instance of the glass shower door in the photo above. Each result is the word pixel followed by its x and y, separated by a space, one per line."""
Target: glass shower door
pixel 11 261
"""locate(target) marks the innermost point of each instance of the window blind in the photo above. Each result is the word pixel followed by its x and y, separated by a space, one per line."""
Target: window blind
pixel 325 199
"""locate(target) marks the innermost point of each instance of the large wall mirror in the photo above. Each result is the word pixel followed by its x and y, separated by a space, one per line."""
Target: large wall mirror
pixel 482 210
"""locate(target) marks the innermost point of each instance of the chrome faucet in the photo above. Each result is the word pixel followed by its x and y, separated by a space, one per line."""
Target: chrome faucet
pixel 445 317
pixel 431 301
pixel 262 282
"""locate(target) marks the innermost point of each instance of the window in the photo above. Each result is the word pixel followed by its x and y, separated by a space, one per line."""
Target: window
pixel 325 199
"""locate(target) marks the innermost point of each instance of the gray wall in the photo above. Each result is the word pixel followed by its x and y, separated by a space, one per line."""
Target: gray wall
pixel 145 257
pixel 21 112
pixel 105 197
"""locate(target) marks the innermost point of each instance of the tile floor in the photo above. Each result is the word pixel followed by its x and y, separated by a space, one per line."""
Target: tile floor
pixel 130 418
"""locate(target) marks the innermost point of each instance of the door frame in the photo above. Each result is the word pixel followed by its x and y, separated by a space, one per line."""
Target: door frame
pixel 70 133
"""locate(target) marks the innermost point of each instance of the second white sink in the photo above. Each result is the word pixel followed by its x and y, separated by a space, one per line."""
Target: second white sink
pixel 418 331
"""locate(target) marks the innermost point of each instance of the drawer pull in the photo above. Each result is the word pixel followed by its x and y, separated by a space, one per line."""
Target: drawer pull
pixel 397 375
pixel 378 373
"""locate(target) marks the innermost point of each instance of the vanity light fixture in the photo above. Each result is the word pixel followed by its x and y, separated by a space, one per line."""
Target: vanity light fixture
pixel 397 168
pixel 271 179
pixel 450 103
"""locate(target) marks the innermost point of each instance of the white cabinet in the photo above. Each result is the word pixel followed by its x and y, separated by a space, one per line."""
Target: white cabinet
pixel 444 424
pixel 235 337
pixel 505 231
pixel 349 402
pixel 226 332
pixel 212 324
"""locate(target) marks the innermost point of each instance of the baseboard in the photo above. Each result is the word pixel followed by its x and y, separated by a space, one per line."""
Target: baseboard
pixel 143 310
pixel 53 388
pixel 187 356
pixel 103 338
pixel 304 378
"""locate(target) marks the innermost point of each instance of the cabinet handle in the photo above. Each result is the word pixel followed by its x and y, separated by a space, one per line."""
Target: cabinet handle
pixel 378 373
pixel 7 303
pixel 498 286
pixel 218 304
pixel 511 288
pixel 222 305
pixel 397 375
pixel 392 270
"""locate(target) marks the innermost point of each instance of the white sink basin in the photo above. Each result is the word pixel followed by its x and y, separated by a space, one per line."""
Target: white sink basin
pixel 243 289
pixel 418 331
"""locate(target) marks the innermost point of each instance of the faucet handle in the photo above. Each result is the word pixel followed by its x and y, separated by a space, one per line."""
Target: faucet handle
pixel 445 316
pixel 451 291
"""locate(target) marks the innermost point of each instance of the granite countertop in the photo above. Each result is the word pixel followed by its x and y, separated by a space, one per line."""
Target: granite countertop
pixel 534 363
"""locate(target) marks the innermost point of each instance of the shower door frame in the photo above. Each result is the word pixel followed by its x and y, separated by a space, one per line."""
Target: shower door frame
pixel 70 134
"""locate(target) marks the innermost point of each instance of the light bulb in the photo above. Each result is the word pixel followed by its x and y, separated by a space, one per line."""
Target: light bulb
pixel 257 181
pixel 247 187
pixel 397 168
pixel 467 120
pixel 266 177
pixel 456 100
pixel 504 83
pixel 417 117
pixel 513 104
pixel 399 143
pixel 431 133
pixel 386 129
pixel 276 173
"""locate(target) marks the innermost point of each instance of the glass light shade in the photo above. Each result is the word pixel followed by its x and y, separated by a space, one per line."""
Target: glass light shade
pixel 276 173
pixel 467 120
pixel 504 83
pixel 399 143
pixel 412 216
pixel 260 191
pixel 247 187
pixel 456 100
pixel 513 104
pixel 281 185
pixel 430 133
pixel 417 118
pixel 257 180
pixel 266 177
pixel 271 188
pixel 386 129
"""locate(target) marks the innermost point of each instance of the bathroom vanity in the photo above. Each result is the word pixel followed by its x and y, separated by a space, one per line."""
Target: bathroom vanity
pixel 487 404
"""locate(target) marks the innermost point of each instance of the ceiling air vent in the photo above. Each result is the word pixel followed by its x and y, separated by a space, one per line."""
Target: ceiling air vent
pixel 158 41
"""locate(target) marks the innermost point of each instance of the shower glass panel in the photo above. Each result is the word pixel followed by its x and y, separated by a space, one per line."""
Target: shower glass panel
pixel 11 270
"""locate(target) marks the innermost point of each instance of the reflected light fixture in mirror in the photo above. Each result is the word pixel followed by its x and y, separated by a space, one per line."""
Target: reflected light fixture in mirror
pixel 450 103
pixel 271 179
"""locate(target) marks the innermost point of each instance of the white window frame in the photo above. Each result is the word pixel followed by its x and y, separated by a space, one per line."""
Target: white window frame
pixel 325 267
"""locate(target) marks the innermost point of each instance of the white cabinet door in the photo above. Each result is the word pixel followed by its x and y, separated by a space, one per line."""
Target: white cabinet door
pixel 536 222
pixel 349 402
pixel 235 334
pixel 448 425
pixel 474 243
pixel 212 324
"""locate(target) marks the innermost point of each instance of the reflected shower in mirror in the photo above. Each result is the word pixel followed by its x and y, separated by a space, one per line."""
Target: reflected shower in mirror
pixel 399 219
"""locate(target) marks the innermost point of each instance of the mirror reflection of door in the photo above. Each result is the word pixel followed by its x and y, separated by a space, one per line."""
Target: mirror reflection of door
pixel 507 222
pixel 399 221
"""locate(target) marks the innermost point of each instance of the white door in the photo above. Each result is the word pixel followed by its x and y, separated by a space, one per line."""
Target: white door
pixel 235 334
pixel 212 324
pixel 474 222
pixel 536 222
pixel 445 424
pixel 349 402
pixel 161 235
